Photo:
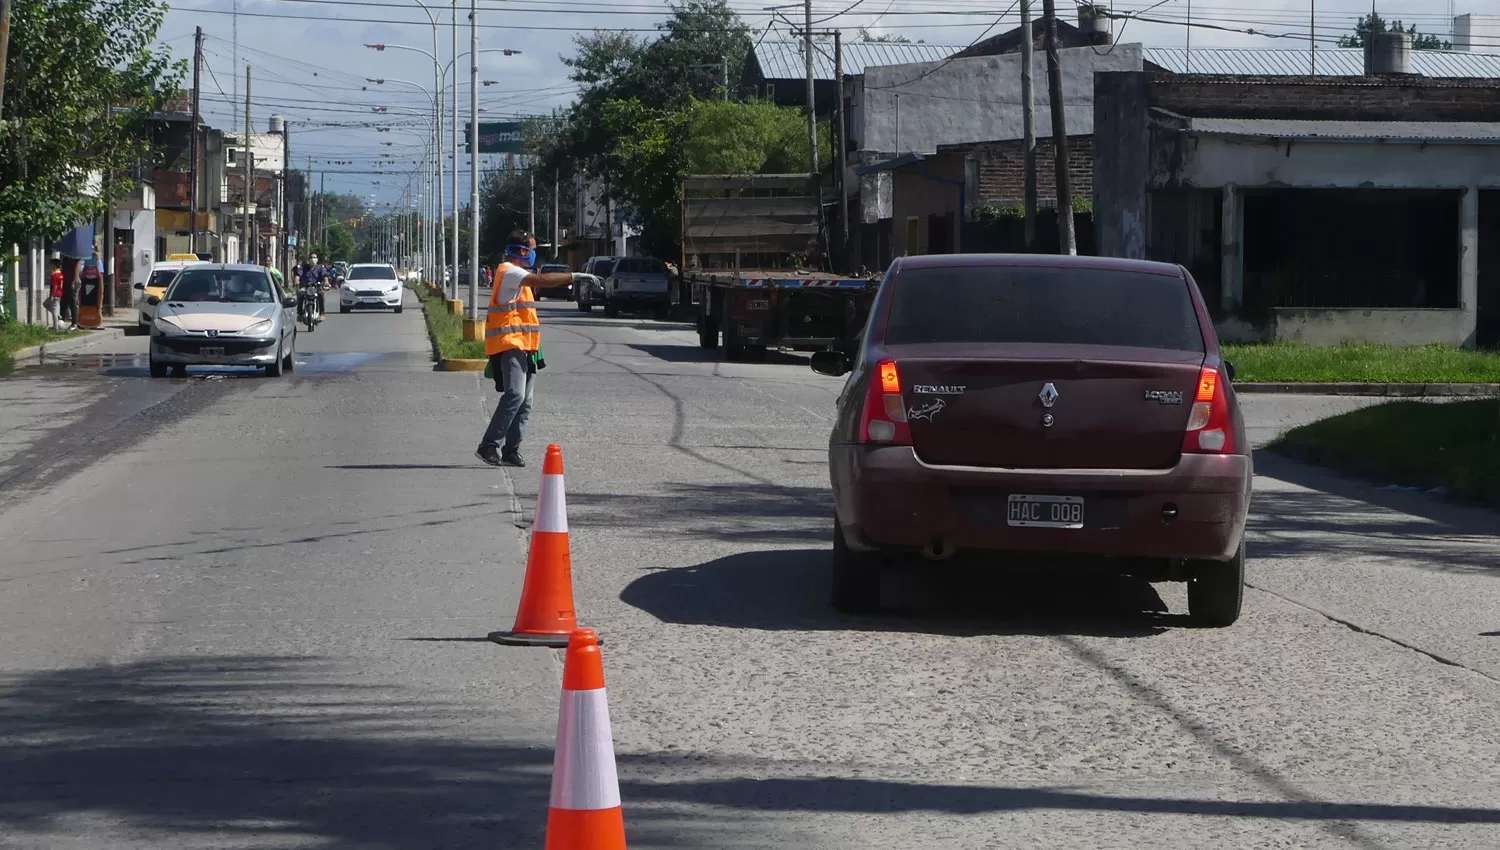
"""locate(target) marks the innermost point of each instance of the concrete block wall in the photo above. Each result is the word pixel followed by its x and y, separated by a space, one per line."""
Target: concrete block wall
pixel 1328 98
pixel 1002 177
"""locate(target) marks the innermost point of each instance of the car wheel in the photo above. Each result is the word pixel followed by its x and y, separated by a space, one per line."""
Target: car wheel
pixel 611 311
pixel 289 362
pixel 856 577
pixel 397 308
pixel 179 371
pixel 1216 591
pixel 343 309
pixel 158 370
pixel 273 370
pixel 584 305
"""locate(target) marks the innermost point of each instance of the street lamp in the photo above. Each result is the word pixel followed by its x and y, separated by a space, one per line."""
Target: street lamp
pixel 432 239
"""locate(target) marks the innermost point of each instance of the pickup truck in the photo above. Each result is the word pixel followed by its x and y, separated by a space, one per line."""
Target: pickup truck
pixel 638 284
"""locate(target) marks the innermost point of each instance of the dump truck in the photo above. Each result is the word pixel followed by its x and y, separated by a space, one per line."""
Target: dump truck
pixel 747 240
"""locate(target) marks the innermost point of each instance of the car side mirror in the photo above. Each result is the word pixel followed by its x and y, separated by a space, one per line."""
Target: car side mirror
pixel 831 363
pixel 140 286
pixel 153 300
pixel 289 301
pixel 1229 370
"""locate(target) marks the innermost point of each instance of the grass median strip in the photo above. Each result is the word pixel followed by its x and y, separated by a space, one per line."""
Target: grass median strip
pixel 1286 362
pixel 448 330
pixel 1453 445
pixel 15 336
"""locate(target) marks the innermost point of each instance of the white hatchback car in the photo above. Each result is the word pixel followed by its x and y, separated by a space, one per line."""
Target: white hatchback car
pixel 371 286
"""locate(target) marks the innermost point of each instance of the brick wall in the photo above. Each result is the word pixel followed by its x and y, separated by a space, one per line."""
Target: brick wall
pixel 1330 99
pixel 1002 178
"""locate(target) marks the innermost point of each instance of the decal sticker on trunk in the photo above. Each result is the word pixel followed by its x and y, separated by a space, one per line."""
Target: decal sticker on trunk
pixel 927 411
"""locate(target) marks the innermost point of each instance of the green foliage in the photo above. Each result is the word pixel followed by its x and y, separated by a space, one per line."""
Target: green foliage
pixel 448 330
pixel 883 38
pixel 82 80
pixel 1373 24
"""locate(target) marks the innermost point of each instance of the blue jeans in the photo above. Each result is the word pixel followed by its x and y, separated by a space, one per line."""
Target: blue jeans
pixel 516 381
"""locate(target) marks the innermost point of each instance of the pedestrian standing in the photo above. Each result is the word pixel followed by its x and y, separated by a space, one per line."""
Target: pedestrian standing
pixel 53 304
pixel 68 304
pixel 513 343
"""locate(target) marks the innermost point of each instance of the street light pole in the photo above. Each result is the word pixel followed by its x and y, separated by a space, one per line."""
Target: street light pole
pixel 453 63
pixel 474 161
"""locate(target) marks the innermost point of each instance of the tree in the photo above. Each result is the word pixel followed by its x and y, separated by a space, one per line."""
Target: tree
pixel 82 83
pixel 883 38
pixel 1373 24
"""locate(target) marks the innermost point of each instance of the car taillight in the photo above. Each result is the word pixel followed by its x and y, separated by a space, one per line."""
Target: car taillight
pixel 1209 428
pixel 884 419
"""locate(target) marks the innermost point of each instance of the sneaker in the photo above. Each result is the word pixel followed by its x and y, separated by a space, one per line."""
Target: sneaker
pixel 488 455
pixel 512 459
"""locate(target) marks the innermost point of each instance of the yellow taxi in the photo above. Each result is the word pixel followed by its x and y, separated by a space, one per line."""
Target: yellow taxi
pixel 161 275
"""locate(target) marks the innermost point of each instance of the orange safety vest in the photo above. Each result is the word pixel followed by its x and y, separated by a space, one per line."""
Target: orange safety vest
pixel 511 324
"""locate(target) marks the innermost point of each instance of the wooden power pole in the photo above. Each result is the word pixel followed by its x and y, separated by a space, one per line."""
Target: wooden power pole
pixel 193 167
pixel 1028 126
pixel 1067 244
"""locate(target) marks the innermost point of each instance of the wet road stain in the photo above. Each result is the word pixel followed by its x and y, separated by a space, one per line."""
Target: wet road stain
pixel 138 365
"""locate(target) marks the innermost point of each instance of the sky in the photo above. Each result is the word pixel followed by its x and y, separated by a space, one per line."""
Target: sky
pixel 309 64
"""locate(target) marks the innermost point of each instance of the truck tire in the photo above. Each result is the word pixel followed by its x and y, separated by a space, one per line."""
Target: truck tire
pixel 708 330
pixel 733 349
pixel 611 311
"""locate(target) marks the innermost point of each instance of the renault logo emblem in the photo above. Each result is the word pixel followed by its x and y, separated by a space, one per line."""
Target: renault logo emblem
pixel 1048 395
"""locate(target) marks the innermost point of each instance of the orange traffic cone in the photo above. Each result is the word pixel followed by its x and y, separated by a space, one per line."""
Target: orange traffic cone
pixel 545 616
pixel 584 813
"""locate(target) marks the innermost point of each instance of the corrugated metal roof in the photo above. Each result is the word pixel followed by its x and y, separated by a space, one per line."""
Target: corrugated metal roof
pixel 783 60
pixel 1332 62
pixel 1466 132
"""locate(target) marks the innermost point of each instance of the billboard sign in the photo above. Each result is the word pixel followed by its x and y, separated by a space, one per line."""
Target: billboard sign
pixel 498 137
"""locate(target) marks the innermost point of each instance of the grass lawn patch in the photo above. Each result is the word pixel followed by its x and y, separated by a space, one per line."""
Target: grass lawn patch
pixel 448 330
pixel 15 336
pixel 1455 445
pixel 1289 362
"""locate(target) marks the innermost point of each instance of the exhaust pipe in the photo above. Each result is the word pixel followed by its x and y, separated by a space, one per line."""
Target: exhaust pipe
pixel 939 548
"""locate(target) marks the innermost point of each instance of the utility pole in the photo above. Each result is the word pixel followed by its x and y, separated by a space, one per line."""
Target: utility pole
pixel 194 166
pixel 4 44
pixel 323 210
pixel 812 113
pixel 286 198
pixel 307 202
pixel 841 154
pixel 1065 238
pixel 531 194
pixel 107 274
pixel 474 162
pixel 249 176
pixel 724 77
pixel 1312 33
pixel 1028 125
pixel 556 224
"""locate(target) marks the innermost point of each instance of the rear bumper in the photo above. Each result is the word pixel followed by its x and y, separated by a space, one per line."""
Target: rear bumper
pixel 627 298
pixel 887 498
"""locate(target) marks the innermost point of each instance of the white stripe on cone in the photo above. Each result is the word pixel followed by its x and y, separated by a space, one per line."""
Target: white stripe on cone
pixel 583 771
pixel 551 506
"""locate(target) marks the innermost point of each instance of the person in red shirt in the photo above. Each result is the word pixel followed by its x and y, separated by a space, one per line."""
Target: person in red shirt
pixel 56 291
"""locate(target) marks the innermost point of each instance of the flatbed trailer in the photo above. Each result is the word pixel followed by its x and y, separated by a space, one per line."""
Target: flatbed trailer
pixel 742 238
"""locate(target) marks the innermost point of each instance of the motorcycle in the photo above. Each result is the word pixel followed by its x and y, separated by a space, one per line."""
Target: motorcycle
pixel 308 310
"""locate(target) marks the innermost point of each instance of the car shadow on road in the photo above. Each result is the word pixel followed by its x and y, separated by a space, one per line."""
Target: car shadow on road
pixel 689 353
pixel 787 589
pixel 724 512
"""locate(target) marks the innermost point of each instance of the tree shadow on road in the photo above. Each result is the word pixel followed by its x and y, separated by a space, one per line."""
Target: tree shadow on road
pixel 787 589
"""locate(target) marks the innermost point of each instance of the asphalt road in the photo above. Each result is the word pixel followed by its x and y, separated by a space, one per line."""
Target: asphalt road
pixel 246 612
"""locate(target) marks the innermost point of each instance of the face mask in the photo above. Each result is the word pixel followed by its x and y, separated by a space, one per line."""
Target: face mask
pixel 526 256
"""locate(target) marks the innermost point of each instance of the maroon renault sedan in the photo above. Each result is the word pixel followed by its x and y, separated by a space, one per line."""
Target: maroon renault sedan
pixel 1007 403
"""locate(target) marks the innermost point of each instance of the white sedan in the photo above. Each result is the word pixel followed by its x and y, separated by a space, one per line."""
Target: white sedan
pixel 370 286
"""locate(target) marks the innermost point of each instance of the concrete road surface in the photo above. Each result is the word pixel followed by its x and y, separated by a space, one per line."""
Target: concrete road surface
pixel 247 612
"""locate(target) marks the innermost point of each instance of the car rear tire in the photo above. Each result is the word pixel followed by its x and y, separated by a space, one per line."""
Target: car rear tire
pixel 708 330
pixel 158 370
pixel 1216 591
pixel 585 306
pixel 397 310
pixel 611 311
pixel 856 577
pixel 343 309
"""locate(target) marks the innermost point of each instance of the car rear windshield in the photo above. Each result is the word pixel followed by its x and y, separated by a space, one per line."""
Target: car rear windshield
pixel 639 265
pixel 372 273
pixel 232 285
pixel 1071 306
pixel 552 267
pixel 604 268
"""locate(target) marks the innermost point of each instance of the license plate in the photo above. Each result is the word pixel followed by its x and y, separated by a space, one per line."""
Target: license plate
pixel 1044 511
pixel 370 300
pixel 760 305
pixel 211 352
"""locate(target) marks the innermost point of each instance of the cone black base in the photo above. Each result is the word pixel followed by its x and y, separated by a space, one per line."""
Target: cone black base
pixel 549 641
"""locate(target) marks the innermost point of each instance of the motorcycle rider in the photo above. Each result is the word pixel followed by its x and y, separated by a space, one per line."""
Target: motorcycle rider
pixel 308 278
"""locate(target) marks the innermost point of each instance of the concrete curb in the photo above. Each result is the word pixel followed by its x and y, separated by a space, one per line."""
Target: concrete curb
pixel 38 352
pixel 1390 390
pixel 462 365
